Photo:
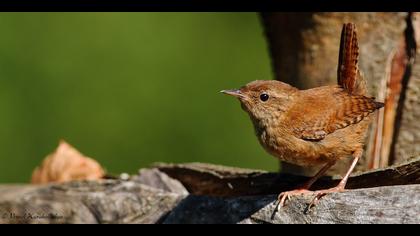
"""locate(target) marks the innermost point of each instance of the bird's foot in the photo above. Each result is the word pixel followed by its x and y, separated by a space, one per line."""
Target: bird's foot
pixel 286 195
pixel 321 193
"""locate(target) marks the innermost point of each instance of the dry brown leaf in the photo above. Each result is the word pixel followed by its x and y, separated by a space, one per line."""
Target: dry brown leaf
pixel 67 164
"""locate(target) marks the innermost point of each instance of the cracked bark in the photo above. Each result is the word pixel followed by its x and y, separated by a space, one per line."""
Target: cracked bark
pixel 406 142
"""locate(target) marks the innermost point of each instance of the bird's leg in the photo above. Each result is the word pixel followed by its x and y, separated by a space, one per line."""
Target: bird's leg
pixel 303 189
pixel 341 186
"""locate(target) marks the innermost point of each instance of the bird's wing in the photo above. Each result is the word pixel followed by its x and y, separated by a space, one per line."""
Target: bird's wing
pixel 349 76
pixel 319 121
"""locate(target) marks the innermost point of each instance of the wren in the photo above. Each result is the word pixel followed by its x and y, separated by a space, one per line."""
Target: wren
pixel 317 126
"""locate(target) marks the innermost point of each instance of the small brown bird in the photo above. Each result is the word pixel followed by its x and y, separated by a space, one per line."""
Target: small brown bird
pixel 315 126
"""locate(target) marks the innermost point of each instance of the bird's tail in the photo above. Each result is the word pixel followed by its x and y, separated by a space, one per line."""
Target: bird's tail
pixel 348 74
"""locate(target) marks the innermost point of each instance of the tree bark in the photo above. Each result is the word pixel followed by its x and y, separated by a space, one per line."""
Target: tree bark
pixel 304 49
pixel 407 135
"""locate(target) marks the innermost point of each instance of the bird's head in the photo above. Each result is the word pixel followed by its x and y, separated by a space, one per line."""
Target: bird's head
pixel 264 99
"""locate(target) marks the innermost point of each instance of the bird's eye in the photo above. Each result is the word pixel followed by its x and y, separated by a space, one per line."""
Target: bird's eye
pixel 264 97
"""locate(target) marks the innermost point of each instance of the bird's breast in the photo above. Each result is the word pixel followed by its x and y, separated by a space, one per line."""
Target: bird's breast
pixel 286 147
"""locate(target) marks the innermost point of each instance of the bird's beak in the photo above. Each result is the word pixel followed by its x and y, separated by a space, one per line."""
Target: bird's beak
pixel 233 92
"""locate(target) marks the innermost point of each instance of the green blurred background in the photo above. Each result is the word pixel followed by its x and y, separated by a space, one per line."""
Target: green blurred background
pixel 128 89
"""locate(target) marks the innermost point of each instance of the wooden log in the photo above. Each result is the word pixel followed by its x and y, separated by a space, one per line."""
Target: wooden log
pixel 216 194
pixel 109 201
pixel 214 180
pixel 373 205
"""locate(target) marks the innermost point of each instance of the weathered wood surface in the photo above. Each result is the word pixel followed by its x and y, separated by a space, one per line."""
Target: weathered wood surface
pixel 214 194
pixel 206 179
pixel 90 202
pixel 373 205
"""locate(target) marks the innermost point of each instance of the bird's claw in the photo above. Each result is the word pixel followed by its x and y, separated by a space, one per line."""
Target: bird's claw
pixel 321 193
pixel 281 199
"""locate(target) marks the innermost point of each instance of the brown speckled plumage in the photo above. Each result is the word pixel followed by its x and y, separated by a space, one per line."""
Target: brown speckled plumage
pixel 307 127
pixel 313 126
